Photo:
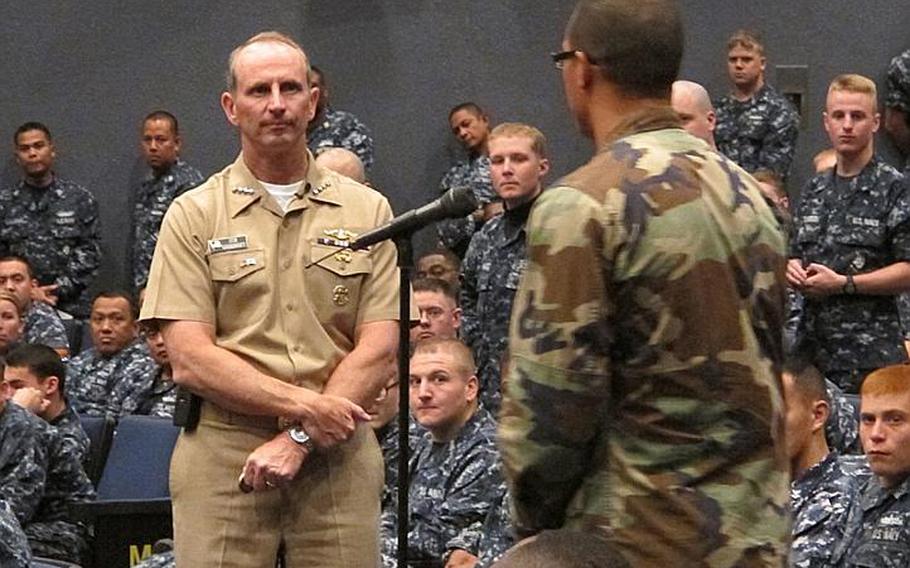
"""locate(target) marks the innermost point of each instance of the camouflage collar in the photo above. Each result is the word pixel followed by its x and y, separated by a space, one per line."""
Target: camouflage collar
pixel 645 120
pixel 865 180
pixel 876 494
pixel 818 471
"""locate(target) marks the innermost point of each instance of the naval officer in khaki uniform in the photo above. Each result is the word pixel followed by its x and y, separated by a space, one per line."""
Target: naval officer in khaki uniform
pixel 259 333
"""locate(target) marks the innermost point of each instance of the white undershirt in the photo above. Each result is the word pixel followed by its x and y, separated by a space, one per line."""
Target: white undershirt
pixel 282 193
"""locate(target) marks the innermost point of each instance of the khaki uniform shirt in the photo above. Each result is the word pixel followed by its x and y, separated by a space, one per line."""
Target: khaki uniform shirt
pixel 229 256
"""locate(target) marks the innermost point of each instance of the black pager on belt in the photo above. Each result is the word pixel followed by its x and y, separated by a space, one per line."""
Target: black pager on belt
pixel 186 409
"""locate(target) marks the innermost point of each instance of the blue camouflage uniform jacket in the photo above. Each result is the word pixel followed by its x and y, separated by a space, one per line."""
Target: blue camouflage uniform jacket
pixel 821 499
pixel 340 129
pixel 153 197
pixel 879 528
pixel 23 461
pixel 490 275
pixel 452 487
pixel 758 134
pixel 44 327
pixel 57 229
pixel 115 385
pixel 864 229
pixel 455 234
pixel 14 551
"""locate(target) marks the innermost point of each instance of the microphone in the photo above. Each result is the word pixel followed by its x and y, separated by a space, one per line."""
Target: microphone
pixel 457 202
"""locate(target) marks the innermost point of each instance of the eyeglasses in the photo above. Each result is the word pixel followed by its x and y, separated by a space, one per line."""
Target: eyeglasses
pixel 559 57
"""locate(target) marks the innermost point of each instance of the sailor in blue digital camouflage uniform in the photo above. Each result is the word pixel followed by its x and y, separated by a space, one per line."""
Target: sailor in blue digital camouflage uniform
pixel 496 256
pixel 42 323
pixel 879 528
pixel 471 126
pixel 821 494
pixel 756 126
pixel 454 471
pixel 162 397
pixel 850 254
pixel 52 222
pixel 116 375
pixel 38 376
pixel 168 177
pixel 23 458
pixel 52 531
pixel 332 128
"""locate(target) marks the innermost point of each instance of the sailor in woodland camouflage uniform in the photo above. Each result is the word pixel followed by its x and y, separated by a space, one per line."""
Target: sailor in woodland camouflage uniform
pixel 14 551
pixel 496 256
pixel 471 126
pixel 116 375
pixel 643 397
pixel 168 177
pixel 332 128
pixel 454 471
pixel 821 494
pixel 756 126
pixel 52 222
pixel 879 527
pixel 850 252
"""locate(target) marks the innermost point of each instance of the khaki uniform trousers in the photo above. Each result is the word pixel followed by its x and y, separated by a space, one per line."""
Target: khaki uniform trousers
pixel 327 517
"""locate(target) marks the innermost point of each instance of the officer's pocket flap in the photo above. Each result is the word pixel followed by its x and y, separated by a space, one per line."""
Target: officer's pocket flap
pixel 342 262
pixel 234 265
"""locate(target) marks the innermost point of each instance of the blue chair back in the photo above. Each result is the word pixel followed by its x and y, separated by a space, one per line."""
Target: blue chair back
pixel 139 461
pixel 100 431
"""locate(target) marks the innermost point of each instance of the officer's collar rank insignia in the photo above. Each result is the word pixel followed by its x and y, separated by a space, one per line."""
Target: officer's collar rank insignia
pixel 243 190
pixel 321 187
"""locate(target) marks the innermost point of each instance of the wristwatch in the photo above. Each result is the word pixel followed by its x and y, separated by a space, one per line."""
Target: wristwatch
pixel 299 436
pixel 850 285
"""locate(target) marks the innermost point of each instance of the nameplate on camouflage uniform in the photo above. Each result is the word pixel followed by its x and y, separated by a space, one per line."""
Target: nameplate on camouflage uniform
pixel 226 244
pixel 66 218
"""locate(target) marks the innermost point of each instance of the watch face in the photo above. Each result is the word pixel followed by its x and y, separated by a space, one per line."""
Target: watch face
pixel 299 436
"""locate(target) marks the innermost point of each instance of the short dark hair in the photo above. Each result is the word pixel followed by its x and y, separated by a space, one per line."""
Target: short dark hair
pixel 163 115
pixel 114 294
pixel 564 548
pixel 473 108
pixel 807 379
pixel 447 254
pixel 436 285
pixel 32 125
pixel 638 46
pixel 19 258
pixel 40 360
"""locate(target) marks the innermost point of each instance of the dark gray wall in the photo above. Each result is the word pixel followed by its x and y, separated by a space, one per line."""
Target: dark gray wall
pixel 91 70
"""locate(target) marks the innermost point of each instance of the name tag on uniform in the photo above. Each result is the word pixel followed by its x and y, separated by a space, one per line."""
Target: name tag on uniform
pixel 865 222
pixel 226 244
pixel 66 218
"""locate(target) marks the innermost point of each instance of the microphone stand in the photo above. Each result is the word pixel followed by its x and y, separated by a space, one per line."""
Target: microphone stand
pixel 405 267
